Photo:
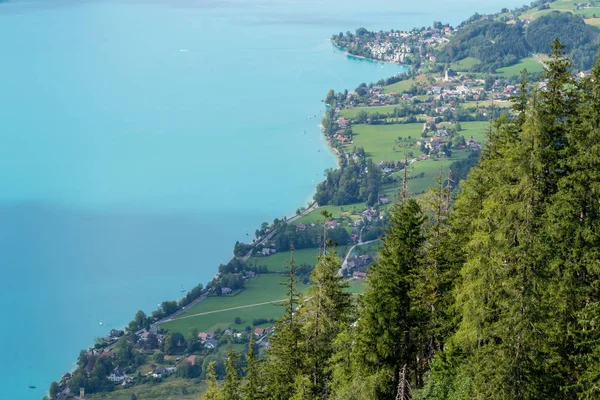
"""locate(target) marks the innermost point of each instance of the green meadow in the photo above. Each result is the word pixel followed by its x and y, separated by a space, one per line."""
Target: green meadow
pixel 465 64
pixel 336 212
pixel 530 64
pixel 262 289
pixel 278 261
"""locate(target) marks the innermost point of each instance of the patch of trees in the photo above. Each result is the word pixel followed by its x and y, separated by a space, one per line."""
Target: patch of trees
pixel 571 30
pixel 353 182
pixel 241 249
pixel 232 281
pixel 460 169
pixel 309 238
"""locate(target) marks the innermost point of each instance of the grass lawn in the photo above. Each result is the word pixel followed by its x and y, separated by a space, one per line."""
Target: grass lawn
pixel 477 129
pixel 171 388
pixel 402 86
pixel 564 6
pixel 593 21
pixel 265 288
pixel 465 64
pixel 351 113
pixel 530 64
pixel 487 103
pixel 356 286
pixel 316 217
pixel 379 141
pixel 278 261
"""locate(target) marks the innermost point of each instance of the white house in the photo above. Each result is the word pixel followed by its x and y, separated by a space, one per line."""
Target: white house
pixel 117 375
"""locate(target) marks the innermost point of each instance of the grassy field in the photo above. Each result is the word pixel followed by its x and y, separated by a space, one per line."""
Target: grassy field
pixel 593 21
pixel 172 388
pixel 381 141
pixel 530 64
pixel 356 286
pixel 402 86
pixel 465 64
pixel 370 110
pixel 336 211
pixel 564 6
pixel 278 261
pixel 265 288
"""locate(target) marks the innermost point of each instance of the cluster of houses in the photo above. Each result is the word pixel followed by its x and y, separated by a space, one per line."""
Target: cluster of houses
pixel 397 47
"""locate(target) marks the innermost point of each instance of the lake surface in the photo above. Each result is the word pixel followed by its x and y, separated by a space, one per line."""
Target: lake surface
pixel 140 139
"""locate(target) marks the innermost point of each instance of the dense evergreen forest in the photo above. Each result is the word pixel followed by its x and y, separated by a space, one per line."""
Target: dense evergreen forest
pixel 493 293
pixel 497 44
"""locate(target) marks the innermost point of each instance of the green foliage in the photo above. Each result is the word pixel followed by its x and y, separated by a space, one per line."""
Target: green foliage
pixel 212 391
pixel 353 182
pixel 230 390
pixel 284 359
pixel 570 29
pixel 54 390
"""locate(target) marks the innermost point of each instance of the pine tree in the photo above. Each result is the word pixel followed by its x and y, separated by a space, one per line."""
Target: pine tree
pixel 230 390
pixel 252 388
pixel 284 358
pixel 324 314
pixel 212 391
pixel 387 322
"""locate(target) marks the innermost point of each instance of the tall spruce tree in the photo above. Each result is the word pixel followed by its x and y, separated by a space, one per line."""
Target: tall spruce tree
pixel 212 390
pixel 324 314
pixel 230 390
pixel 285 358
pixel 252 386
pixel 387 320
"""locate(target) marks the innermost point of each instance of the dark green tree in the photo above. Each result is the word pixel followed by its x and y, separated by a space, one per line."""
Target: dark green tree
pixel 387 321
pixel 230 389
pixel 284 358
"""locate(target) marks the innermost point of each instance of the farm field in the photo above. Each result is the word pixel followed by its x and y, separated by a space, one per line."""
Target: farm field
pixel 402 86
pixel 278 261
pixel 336 211
pixel 530 64
pixel 465 64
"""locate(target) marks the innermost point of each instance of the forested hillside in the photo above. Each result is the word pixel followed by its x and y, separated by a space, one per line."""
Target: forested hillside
pixel 497 44
pixel 494 294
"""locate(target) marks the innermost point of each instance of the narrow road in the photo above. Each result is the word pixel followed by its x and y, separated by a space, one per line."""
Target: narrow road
pixel 224 309
pixel 268 237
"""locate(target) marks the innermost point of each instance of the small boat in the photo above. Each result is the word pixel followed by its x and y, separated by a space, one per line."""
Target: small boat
pixel 32 387
pixel 182 289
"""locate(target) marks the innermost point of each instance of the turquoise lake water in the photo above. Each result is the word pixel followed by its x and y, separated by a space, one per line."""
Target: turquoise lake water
pixel 140 139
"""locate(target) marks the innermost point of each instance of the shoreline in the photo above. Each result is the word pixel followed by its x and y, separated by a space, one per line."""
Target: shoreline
pixel 341 48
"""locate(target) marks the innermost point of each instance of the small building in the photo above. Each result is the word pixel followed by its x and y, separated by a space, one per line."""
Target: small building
pixel 117 375
pixel 384 200
pixel 226 290
pixel 211 344
pixel 268 251
pixel 331 224
pixel 259 331
pixel 359 275
pixel 300 227
pixel 192 359
pixel 204 336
